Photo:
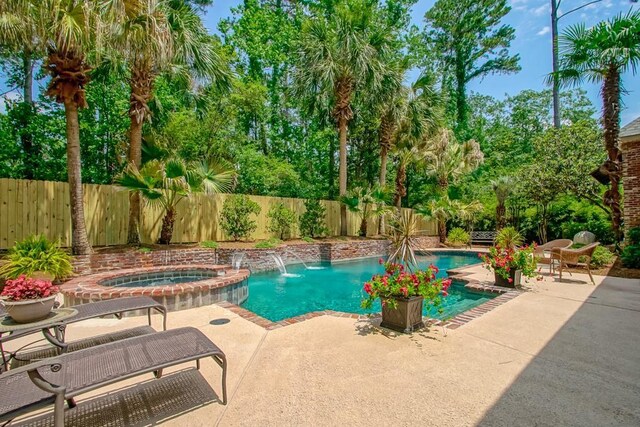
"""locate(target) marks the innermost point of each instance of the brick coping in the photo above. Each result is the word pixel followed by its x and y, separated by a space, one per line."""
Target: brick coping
pixel 90 287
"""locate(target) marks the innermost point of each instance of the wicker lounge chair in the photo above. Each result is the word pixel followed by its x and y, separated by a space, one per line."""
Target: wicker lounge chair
pixel 59 379
pixel 541 250
pixel 115 307
pixel 567 257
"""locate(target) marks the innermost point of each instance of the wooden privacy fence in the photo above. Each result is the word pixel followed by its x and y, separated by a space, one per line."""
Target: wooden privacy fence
pixel 42 207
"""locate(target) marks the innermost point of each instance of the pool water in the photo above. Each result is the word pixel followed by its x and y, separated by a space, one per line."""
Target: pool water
pixel 338 287
pixel 163 278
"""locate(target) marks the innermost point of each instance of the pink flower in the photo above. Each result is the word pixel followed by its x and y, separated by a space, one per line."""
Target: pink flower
pixel 367 288
pixel 380 261
pixel 510 279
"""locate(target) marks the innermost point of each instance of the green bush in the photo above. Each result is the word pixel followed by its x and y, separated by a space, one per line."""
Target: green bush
pixel 235 219
pixel 209 244
pixel 509 237
pixel 282 221
pixel 308 239
pixel 631 253
pixel 458 237
pixel 144 250
pixel 268 244
pixel 312 221
pixel 36 253
pixel 601 257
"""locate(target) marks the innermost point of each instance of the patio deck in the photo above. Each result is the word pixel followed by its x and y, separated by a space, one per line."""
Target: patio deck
pixel 558 354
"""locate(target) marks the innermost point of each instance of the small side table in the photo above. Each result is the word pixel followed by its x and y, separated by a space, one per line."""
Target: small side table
pixel 54 321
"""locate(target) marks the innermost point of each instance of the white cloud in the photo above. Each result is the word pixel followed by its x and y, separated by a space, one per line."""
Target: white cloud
pixel 9 96
pixel 541 10
pixel 544 30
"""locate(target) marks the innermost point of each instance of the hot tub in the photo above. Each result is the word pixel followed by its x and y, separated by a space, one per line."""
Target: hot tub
pixel 178 287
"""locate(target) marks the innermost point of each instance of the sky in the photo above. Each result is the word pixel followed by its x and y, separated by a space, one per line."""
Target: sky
pixel 531 20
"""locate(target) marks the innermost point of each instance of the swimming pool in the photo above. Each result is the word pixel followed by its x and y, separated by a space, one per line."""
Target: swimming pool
pixel 338 287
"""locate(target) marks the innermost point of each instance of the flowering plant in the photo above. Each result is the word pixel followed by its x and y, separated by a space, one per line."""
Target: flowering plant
pixel 27 288
pixel 398 283
pixel 505 260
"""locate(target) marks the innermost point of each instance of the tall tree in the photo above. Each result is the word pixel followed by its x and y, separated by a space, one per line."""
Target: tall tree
pixel 601 54
pixel 71 32
pixel 339 56
pixel 158 35
pixel 472 43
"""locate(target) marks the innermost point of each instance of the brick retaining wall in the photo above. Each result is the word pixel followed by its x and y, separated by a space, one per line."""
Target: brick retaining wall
pixel 255 259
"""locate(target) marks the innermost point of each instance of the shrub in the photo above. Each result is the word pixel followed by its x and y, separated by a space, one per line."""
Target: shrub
pixel 631 253
pixel 144 250
pixel 312 221
pixel 509 237
pixel 601 257
pixel 308 239
pixel 25 288
pixel 458 237
pixel 235 220
pixel 36 253
pixel 282 221
pixel 268 244
pixel 210 244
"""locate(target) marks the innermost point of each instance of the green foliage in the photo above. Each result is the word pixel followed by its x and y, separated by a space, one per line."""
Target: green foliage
pixel 36 253
pixel 631 253
pixel 209 244
pixel 236 220
pixel 145 250
pixel 268 244
pixel 367 203
pixel 509 237
pixel 458 237
pixel 308 239
pixel 282 221
pixel 312 221
pixel 601 257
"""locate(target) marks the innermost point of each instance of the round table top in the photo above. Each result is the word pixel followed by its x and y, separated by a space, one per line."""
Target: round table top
pixel 58 315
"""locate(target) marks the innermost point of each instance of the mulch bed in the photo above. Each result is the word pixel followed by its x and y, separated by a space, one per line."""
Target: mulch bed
pixel 614 270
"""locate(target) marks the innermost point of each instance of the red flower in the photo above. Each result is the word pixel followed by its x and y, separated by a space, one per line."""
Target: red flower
pixel 380 261
pixel 510 280
pixel 367 288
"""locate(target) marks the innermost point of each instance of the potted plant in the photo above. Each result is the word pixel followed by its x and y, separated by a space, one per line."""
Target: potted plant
pixel 27 299
pixel 38 258
pixel 510 264
pixel 403 293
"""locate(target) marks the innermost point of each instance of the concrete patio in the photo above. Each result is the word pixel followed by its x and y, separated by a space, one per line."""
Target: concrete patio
pixel 561 353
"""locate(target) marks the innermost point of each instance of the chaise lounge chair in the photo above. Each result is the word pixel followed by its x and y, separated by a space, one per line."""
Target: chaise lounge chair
pixel 541 250
pixel 62 378
pixel 116 307
pixel 567 257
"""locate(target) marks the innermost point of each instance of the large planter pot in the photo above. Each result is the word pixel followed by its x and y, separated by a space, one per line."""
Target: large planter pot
pixel 514 275
pixel 405 317
pixel 30 310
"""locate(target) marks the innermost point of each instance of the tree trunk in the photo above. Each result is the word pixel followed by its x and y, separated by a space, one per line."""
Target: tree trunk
pixel 342 123
pixel 500 216
pixel 554 63
pixel 461 96
pixel 135 158
pixel 332 169
pixel 363 227
pixel 401 190
pixel 31 155
pixel 442 230
pixel 167 227
pixel 79 241
pixel 611 124
pixel 141 92
pixel 384 155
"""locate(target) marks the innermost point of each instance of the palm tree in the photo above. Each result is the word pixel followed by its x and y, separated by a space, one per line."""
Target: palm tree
pixel 601 54
pixel 339 56
pixel 448 159
pixel 502 187
pixel 73 33
pixel 158 36
pixel 367 203
pixel 441 210
pixel 419 117
pixel 167 183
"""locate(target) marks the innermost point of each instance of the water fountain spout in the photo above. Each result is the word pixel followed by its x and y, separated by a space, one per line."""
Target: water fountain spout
pixel 236 260
pixel 304 263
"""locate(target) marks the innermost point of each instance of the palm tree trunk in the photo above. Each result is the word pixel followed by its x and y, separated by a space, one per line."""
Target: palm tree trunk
pixel 500 216
pixel 31 155
pixel 442 230
pixel 135 158
pixel 342 127
pixel 384 155
pixel 141 92
pixel 167 227
pixel 79 241
pixel 332 169
pixel 611 123
pixel 363 227
pixel 401 190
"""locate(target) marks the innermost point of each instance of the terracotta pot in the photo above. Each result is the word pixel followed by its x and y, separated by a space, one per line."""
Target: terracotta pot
pixel 29 310
pixel 405 317
pixel 514 275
